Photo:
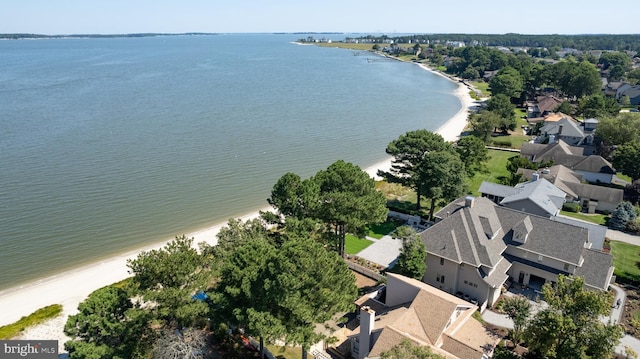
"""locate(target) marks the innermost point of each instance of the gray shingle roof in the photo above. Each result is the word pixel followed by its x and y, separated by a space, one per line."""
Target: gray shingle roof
pixel 541 193
pixel 596 269
pixel 461 237
pixel 595 164
pixel 564 127
pixel 496 189
pixel 596 233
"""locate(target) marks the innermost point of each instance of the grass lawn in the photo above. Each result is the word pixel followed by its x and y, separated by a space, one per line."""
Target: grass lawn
pixel 377 231
pixel 481 86
pixel 38 317
pixel 286 352
pixel 626 260
pixel 596 218
pixel 496 167
pixel 514 140
pixel 353 245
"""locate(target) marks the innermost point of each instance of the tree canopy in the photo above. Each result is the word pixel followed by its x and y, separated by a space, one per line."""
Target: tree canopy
pixel 107 326
pixel 626 159
pixel 343 197
pixel 412 260
pixel 426 163
pixel 473 153
pixel 281 291
pixel 570 326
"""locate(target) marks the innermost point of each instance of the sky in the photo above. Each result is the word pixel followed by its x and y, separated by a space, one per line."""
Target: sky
pixel 55 17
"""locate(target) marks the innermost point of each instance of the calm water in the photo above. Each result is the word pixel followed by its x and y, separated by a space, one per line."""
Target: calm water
pixel 110 144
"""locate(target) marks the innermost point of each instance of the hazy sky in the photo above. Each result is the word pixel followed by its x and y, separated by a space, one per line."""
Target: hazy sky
pixel 369 16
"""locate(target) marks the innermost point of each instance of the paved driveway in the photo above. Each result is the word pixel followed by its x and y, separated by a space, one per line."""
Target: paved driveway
pixel 383 251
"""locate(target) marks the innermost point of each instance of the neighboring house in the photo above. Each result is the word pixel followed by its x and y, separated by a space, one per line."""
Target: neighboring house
pixel 409 309
pixel 538 196
pixel 477 246
pixel 633 93
pixel 591 197
pixel 616 88
pixel 590 124
pixel 543 106
pixel 565 129
pixel 591 167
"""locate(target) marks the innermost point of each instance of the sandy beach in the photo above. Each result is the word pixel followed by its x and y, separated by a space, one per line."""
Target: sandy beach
pixel 72 287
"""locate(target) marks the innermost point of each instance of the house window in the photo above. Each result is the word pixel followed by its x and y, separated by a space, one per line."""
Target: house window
pixel 540 258
pixel 439 278
pixel 441 261
pixel 566 266
pixel 475 285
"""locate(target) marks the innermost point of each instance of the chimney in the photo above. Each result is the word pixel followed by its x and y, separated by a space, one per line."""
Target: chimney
pixel 535 176
pixel 468 201
pixel 367 318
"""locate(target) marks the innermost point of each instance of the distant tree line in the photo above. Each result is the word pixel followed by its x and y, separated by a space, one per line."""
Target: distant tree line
pixel 579 42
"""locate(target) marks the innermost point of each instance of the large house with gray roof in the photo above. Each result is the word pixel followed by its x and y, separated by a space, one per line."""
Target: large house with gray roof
pixel 477 247
pixel 537 196
pixel 592 198
pixel 582 160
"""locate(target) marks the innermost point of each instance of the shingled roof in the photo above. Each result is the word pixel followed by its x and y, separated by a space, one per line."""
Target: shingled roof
pixel 433 318
pixel 461 238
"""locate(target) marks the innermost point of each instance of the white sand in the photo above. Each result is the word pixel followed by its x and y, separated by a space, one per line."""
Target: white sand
pixel 72 287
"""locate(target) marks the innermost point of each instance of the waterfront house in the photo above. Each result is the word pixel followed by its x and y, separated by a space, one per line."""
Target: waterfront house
pixel 407 309
pixel 477 247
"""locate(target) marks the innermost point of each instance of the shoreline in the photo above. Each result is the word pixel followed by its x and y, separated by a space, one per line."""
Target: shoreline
pixel 71 287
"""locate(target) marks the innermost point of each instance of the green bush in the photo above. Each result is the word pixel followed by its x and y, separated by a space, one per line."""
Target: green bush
pixel 572 207
pixel 501 143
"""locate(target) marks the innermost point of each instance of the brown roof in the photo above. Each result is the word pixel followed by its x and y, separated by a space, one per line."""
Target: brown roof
pixel 548 103
pixel 427 320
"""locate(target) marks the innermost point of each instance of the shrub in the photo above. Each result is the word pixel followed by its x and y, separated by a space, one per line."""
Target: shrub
pixel 622 215
pixel 501 143
pixel 633 227
pixel 572 207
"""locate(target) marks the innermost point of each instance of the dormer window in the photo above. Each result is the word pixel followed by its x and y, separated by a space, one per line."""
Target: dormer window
pixel 521 230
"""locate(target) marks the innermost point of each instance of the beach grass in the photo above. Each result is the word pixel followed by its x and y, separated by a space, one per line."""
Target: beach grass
pixel 626 260
pixel 353 245
pixel 38 317
pixel 344 45
pixel 597 218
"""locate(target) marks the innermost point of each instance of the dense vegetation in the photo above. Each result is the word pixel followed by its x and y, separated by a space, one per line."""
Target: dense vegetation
pixel 580 42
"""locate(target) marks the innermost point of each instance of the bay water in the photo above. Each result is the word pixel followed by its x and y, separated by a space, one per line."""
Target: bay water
pixel 107 145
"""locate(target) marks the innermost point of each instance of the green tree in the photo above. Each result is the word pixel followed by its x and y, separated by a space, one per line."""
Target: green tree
pixel 410 350
pixel 597 105
pixel 516 162
pixel 293 197
pixel 408 152
pixel 473 153
pixel 412 260
pixel 484 123
pixel 518 309
pixel 565 107
pixel 169 277
pixel 620 129
pixel 442 177
pixel 283 291
pixel 348 200
pixel 626 158
pixel 622 215
pixel 508 82
pixel 584 80
pixel 501 105
pixel 570 326
pixel 107 326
